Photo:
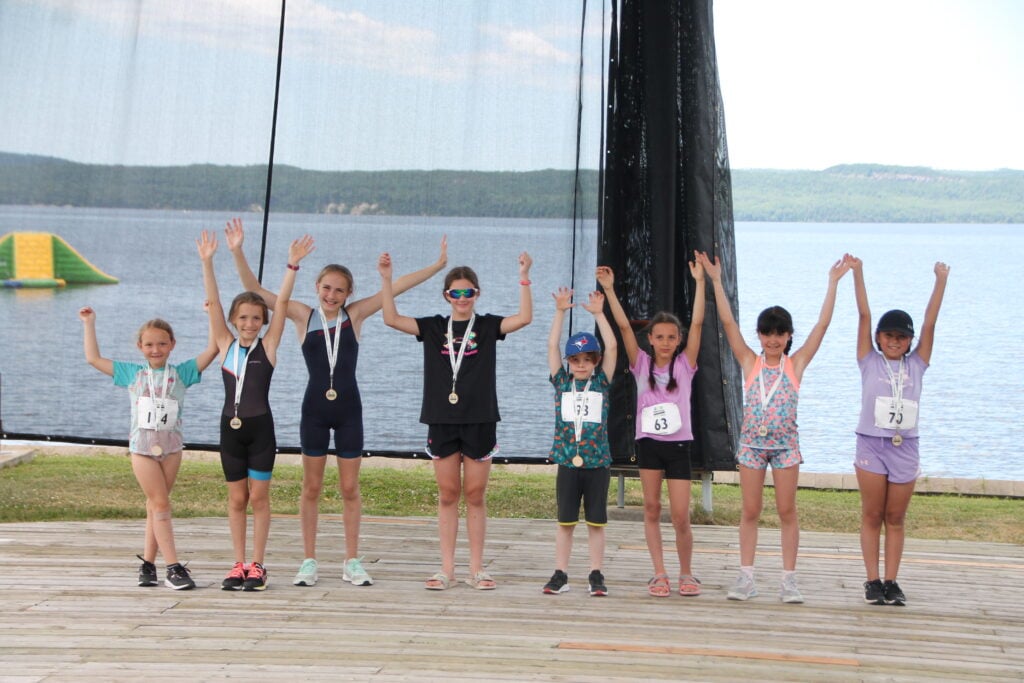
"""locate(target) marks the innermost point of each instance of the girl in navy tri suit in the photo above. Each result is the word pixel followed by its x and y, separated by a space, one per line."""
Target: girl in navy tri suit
pixel 248 445
pixel 331 402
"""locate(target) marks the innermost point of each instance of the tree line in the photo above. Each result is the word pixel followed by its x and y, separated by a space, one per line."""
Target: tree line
pixel 847 193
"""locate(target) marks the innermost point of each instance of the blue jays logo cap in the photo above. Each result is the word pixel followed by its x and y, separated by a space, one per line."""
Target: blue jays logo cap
pixel 581 342
pixel 896 321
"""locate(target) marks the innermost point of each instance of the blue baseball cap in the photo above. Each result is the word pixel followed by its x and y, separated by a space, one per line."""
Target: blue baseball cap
pixel 581 342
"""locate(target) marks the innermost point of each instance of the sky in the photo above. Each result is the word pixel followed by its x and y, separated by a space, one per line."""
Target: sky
pixel 488 85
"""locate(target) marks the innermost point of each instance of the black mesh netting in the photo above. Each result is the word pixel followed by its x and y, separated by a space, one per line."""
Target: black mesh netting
pixel 667 193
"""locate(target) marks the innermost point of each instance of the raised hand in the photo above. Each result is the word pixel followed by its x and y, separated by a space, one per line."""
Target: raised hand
pixel 524 265
pixel 300 249
pixel 595 304
pixel 605 277
pixel 86 314
pixel 234 235
pixel 713 270
pixel 941 270
pixel 384 266
pixel 207 245
pixel 696 268
pixel 563 299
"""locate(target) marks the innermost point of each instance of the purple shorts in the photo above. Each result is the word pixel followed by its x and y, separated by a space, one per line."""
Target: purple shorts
pixel 877 454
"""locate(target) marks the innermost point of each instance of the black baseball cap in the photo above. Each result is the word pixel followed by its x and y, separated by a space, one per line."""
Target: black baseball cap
pixel 896 321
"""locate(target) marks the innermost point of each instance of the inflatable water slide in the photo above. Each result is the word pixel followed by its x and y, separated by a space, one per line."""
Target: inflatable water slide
pixel 42 259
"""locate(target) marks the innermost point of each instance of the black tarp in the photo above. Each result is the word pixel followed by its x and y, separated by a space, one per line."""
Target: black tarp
pixel 667 192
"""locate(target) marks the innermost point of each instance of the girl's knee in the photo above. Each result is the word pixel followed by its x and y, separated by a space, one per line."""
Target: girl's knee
pixel 652 510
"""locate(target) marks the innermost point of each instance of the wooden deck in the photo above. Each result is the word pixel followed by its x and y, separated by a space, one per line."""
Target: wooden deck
pixel 70 610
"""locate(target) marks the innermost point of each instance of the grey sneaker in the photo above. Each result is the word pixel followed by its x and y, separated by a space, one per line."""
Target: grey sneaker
pixel 789 592
pixel 743 589
pixel 354 573
pixel 307 573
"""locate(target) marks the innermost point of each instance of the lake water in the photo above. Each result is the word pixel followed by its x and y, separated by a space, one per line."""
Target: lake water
pixel 971 423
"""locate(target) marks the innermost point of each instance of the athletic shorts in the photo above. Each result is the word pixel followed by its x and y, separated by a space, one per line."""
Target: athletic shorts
pixel 249 451
pixel 672 457
pixel 589 485
pixel 315 432
pixel 478 441
pixel 760 458
pixel 877 454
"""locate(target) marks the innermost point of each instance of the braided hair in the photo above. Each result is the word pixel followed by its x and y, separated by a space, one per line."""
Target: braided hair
pixel 659 318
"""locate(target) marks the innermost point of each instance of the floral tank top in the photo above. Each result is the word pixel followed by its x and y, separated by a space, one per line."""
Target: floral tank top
pixel 773 426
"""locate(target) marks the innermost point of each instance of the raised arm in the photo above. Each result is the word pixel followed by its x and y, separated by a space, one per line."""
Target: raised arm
pixel 234 235
pixel 744 354
pixel 802 356
pixel 865 344
pixel 389 311
pixel 595 305
pixel 299 249
pixel 91 345
pixel 697 315
pixel 931 314
pixel 212 350
pixel 525 314
pixel 360 310
pixel 207 247
pixel 606 279
pixel 563 302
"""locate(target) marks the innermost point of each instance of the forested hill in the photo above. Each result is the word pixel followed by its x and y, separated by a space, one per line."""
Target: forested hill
pixel 850 193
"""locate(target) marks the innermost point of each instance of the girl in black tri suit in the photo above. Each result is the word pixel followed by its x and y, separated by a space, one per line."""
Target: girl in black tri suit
pixel 331 401
pixel 460 404
pixel 247 441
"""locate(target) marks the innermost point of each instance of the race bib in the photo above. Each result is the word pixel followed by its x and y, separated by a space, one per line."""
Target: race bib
pixel 890 414
pixel 660 419
pixel 160 414
pixel 587 405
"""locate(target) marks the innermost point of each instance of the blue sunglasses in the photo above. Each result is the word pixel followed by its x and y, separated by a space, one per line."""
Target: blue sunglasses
pixel 462 293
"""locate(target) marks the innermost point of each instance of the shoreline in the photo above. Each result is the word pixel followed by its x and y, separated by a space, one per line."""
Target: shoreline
pixel 14 454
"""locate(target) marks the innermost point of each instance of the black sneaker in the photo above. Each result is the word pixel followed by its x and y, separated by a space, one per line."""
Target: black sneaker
pixel 147 572
pixel 559 583
pixel 178 577
pixel 874 592
pixel 893 594
pixel 596 580
pixel 255 578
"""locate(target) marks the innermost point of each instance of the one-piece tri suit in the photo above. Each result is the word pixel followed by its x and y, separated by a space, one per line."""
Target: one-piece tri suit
pixel 319 414
pixel 250 450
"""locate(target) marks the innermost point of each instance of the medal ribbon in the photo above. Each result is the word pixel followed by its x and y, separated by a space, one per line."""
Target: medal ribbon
pixel 767 398
pixel 240 374
pixel 895 384
pixel 332 352
pixel 577 415
pixel 152 388
pixel 456 363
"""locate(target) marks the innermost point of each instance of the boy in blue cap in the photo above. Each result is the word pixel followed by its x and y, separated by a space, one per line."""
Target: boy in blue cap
pixel 580 447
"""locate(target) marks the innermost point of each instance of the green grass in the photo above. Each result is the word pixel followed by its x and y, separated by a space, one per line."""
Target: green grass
pixel 84 487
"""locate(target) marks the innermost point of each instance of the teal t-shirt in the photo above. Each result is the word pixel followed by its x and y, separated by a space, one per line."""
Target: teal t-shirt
pixel 137 378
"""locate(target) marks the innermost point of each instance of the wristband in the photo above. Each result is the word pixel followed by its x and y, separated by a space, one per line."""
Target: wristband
pixel 525 283
pixel 291 267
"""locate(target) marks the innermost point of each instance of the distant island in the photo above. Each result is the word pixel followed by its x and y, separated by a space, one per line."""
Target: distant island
pixel 867 193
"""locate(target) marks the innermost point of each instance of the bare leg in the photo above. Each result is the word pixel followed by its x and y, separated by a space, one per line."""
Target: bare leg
pixel 874 489
pixel 309 500
pixel 563 546
pixel 448 473
pixel 650 482
pixel 595 538
pixel 752 490
pixel 238 503
pixel 896 503
pixel 475 476
pixel 157 480
pixel 786 480
pixel 259 498
pixel 679 506
pixel 352 512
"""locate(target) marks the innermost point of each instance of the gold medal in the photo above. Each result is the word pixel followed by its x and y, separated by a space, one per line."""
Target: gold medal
pixel 762 431
pixel 577 461
pixel 156 450
pixel 331 394
pixel 453 398
pixel 897 440
pixel 236 423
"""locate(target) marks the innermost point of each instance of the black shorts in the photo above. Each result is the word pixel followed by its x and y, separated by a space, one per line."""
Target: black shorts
pixel 672 457
pixel 590 485
pixel 249 451
pixel 478 441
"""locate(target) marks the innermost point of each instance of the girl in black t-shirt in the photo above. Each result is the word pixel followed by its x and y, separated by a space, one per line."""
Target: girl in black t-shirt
pixel 460 404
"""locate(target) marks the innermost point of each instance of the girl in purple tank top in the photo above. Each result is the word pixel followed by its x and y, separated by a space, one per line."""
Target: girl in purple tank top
pixel 888 459
pixel 768 434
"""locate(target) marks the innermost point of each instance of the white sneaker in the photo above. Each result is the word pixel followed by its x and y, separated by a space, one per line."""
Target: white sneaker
pixel 743 589
pixel 307 573
pixel 354 573
pixel 790 593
